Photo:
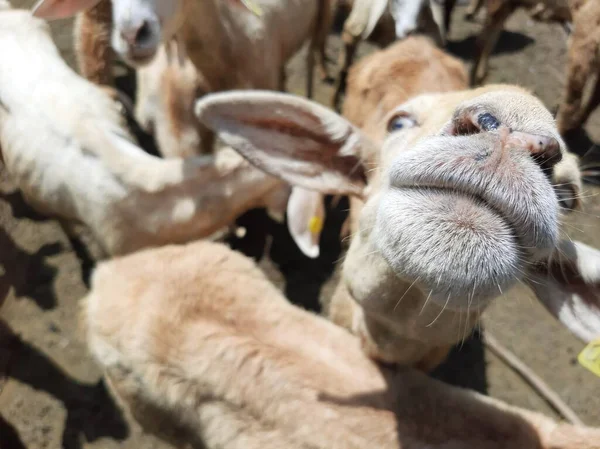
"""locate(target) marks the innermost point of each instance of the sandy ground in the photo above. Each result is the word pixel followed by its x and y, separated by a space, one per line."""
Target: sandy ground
pixel 51 395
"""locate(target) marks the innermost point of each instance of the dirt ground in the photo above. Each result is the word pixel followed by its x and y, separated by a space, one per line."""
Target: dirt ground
pixel 51 394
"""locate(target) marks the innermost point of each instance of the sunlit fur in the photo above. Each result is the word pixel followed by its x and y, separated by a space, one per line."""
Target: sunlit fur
pixel 65 145
pixel 452 216
pixel 206 352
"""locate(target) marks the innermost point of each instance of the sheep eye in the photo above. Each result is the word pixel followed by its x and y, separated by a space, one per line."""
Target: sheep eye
pixel 400 122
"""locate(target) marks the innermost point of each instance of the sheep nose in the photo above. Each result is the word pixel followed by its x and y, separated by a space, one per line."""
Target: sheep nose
pixel 545 150
pixel 137 35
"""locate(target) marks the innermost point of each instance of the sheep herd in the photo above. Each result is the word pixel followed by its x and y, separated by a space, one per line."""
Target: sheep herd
pixel 457 193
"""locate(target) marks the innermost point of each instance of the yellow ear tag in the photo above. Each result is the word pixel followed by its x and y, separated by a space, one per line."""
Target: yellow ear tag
pixel 253 7
pixel 315 225
pixel 590 357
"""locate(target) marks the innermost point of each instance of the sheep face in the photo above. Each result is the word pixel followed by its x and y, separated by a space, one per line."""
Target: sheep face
pixel 459 202
pixel 140 26
pixel 466 204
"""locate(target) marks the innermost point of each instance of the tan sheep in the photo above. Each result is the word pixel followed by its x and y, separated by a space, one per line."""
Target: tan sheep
pixel 497 12
pixel 230 46
pixel 458 206
pixel 582 18
pixel 64 144
pixel 583 65
pixel 206 352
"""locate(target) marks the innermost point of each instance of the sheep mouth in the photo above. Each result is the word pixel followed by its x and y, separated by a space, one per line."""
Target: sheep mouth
pixel 504 170
pixel 478 199
pixel 525 199
pixel 451 243
pixel 464 214
pixel 140 57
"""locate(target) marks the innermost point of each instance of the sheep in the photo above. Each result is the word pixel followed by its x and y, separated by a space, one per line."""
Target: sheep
pixel 407 15
pixel 205 352
pixel 583 63
pixel 166 87
pixel 64 144
pixel 230 45
pixel 166 92
pixel 458 206
pixel 498 11
pixel 235 49
pixel 583 49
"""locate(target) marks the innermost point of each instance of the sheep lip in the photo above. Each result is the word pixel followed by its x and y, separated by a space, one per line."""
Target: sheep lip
pixel 476 197
pixel 140 58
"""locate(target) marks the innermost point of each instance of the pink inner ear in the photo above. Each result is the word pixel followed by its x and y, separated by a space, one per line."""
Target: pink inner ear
pixel 61 9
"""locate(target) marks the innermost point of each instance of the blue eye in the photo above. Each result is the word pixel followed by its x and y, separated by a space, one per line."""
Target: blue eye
pixel 400 122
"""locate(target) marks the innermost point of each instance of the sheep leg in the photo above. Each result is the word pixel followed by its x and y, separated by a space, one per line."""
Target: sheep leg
pixel 593 102
pixel 350 46
pixel 320 41
pixel 92 43
pixel 82 253
pixel 283 79
pixel 473 9
pixel 583 56
pixel 448 9
pixel 497 14
pixel 317 45
pixel 310 68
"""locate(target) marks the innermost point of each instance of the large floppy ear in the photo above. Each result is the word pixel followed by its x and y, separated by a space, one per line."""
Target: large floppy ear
pixel 305 216
pixel 61 9
pixel 569 287
pixel 292 138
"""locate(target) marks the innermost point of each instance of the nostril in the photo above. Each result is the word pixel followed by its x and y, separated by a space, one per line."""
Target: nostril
pixel 471 122
pixel 544 150
pixel 488 122
pixel 137 35
pixel 547 150
pixel 144 33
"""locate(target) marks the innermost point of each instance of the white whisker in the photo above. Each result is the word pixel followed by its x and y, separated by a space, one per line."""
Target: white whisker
pixel 441 311
pixel 411 286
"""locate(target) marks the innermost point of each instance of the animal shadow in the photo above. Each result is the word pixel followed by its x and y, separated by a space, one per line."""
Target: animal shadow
pixel 303 276
pixel 20 208
pixel 91 411
pixel 127 84
pixel 465 366
pixel 9 437
pixel 509 42
pixel 28 273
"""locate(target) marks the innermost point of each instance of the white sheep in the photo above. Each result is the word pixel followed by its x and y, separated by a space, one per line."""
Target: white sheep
pixel 64 144
pixel 231 46
pixel 206 352
pixel 497 13
pixel 407 16
pixel 457 208
pixel 228 45
pixel 583 64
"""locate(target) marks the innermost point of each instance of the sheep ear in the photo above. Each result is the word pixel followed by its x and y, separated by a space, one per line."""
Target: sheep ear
pixel 305 216
pixel 292 138
pixel 566 179
pixel 61 9
pixel 569 287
